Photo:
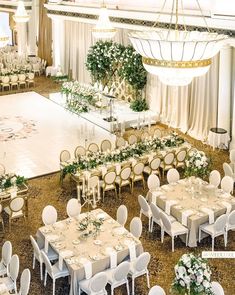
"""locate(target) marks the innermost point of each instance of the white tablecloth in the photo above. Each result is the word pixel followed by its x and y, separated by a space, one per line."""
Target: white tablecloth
pixel 218 139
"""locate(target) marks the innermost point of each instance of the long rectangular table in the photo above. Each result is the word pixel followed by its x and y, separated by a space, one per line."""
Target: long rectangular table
pixel 192 204
pixel 65 235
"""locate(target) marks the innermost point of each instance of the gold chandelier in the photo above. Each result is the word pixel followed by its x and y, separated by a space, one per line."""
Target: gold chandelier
pixel 177 56
pixel 103 28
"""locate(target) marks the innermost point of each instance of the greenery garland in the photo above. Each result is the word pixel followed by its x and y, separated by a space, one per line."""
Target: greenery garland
pixel 107 59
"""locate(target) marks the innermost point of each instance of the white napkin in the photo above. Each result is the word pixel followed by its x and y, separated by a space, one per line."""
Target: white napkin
pixel 46 246
pixel 185 215
pixel 168 206
pixel 228 206
pixel 132 251
pixel 113 257
pixel 87 267
pixel 62 255
pixel 210 213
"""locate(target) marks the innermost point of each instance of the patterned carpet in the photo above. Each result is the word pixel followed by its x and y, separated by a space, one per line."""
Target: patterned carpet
pixel 46 190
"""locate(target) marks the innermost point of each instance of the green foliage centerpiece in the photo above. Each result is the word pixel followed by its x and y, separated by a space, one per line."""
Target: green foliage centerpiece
pixel 192 276
pixel 90 226
pixel 8 181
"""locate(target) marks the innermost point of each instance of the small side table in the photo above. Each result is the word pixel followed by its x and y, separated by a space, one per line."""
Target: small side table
pixel 218 138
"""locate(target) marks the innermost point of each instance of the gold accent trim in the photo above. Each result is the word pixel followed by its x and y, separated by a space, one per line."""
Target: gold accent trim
pixel 3 39
pixel 95 30
pixel 177 64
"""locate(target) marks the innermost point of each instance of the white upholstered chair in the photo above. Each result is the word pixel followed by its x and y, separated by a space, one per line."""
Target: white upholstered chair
pixel 10 280
pixel 145 209
pixel 95 285
pixel 172 175
pixel 172 229
pixel 216 229
pixel 217 289
pixel 6 258
pixel 25 282
pixel 122 214
pixel 139 267
pixel 215 178
pixel 73 208
pixel 156 290
pixel 49 215
pixel 136 227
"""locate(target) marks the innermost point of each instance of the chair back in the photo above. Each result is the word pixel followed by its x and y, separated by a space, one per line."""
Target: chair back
pixel 16 204
pixel 138 168
pixel 157 290
pixel 132 139
pixel 144 135
pixel 31 76
pixel 217 289
pixel 93 181
pixel 65 156
pixel 153 182
pixel 14 78
pixel 169 158
pixel 22 77
pixel 125 173
pixel 172 175
pixel 142 261
pixel 181 155
pixel 98 283
pixel 79 151
pixel 14 267
pixel 120 141
pixel 25 282
pixel 5 79
pixel 227 170
pixel 105 145
pixel 122 214
pixel 157 133
pixel 2 169
pixel 215 178
pixel 227 184
pixel 155 212
pixel 36 249
pixel 6 253
pixel 93 147
pixel 136 227
pixel 155 163
pixel 166 222
pixel 232 155
pixel 49 215
pixel 121 271
pixel 220 223
pixel 73 208
pixel 143 203
pixel 109 177
pixel 47 263
pixel 231 218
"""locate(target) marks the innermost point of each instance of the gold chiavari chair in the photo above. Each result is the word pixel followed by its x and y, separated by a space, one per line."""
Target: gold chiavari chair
pixel 137 175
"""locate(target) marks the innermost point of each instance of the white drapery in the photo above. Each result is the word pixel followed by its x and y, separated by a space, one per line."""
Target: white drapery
pixel 192 109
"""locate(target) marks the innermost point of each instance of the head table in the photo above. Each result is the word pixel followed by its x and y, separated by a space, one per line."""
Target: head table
pixel 192 202
pixel 85 257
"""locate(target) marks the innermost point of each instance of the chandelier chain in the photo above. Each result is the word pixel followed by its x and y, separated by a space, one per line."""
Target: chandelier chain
pixel 203 16
pixel 182 8
pixel 159 15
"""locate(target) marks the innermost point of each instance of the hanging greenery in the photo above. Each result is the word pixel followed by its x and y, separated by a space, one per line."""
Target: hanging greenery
pixel 106 58
pixel 139 105
pixel 132 69
pixel 103 60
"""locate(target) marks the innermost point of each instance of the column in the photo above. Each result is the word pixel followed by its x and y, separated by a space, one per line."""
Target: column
pixel 225 84
pixel 58 42
pixel 33 28
pixel 232 143
pixel 22 38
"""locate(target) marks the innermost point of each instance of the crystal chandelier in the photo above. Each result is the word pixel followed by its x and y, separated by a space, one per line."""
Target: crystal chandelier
pixel 21 15
pixel 4 38
pixel 177 56
pixel 103 28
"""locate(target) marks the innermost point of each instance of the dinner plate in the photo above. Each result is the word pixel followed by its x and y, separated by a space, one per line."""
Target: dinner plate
pixel 76 242
pixel 97 242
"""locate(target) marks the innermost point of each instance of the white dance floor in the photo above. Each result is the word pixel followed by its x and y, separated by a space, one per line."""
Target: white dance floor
pixel 34 130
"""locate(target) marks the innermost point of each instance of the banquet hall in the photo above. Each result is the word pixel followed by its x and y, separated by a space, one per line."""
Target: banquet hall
pixel 117 147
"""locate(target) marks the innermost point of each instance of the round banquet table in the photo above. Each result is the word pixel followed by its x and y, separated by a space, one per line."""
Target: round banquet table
pixel 218 138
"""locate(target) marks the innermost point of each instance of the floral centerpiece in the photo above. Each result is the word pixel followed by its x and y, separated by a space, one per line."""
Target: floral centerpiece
pixel 90 225
pixel 192 276
pixel 8 181
pixel 197 164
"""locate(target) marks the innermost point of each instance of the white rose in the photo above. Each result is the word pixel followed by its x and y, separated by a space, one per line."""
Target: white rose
pixel 182 283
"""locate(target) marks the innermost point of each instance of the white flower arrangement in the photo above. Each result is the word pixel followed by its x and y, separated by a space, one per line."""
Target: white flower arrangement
pixel 197 164
pixel 192 276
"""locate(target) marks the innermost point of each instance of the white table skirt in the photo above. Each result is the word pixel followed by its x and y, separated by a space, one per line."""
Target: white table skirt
pixel 218 139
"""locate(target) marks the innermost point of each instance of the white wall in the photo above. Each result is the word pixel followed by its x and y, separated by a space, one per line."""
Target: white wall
pixel 4 23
